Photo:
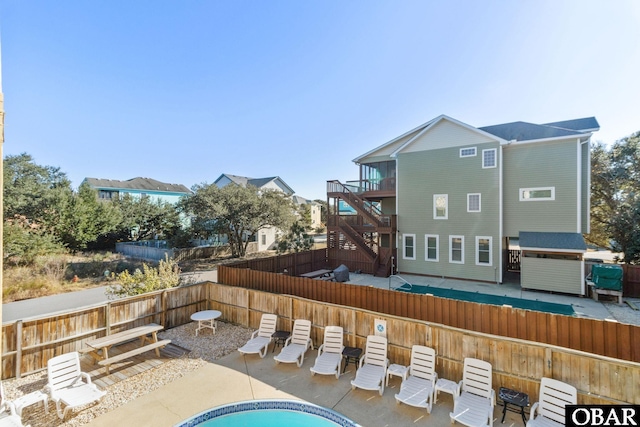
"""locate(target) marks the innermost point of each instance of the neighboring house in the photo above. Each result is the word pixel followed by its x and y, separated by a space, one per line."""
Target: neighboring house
pixel 448 199
pixel 265 237
pixel 315 209
pixel 138 187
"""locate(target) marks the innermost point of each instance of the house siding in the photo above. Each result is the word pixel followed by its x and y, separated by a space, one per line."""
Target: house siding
pixel 552 275
pixel 555 166
pixel 421 174
pixel 445 134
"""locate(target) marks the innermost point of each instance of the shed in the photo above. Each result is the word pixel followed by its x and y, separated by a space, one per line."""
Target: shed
pixel 552 261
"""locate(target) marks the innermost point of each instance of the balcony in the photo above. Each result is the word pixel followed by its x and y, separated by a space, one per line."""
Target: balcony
pixel 374 188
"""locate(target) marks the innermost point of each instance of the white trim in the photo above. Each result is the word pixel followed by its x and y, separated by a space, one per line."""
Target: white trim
pixel 477 250
pixel 404 246
pixel 537 199
pixel 500 218
pixel 479 202
pixel 426 247
pixel 451 261
pixel 495 158
pixel 588 207
pixel 475 152
pixel 551 139
pixel 446 208
pixel 579 188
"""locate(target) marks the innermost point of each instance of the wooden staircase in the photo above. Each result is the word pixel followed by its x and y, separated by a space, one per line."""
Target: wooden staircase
pixel 359 234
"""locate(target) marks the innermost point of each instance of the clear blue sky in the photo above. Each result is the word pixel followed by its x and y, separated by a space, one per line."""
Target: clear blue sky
pixel 182 91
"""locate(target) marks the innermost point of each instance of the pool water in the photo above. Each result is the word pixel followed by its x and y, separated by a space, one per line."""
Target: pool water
pixel 268 413
pixel 268 418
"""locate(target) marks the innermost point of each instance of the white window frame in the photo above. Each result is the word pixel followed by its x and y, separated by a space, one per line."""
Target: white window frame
pixel 536 199
pixel 495 158
pixel 451 261
pixel 404 246
pixel 490 239
pixel 446 206
pixel 475 152
pixel 426 247
pixel 479 202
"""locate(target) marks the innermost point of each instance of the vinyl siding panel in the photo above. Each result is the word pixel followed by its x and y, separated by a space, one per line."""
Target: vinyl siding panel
pixel 541 165
pixel 552 275
pixel 442 171
pixel 446 135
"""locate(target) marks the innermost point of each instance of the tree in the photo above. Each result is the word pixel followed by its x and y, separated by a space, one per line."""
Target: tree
pixel 615 197
pixel 296 240
pixel 149 279
pixel 237 212
pixel 37 193
pixel 85 218
pixel 24 241
pixel 143 218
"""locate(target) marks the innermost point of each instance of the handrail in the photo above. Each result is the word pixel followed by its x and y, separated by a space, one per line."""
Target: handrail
pixel 357 238
pixel 366 207
pixel 406 282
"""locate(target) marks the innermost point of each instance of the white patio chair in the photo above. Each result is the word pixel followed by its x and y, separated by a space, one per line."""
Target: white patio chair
pixel 417 390
pixel 297 344
pixel 549 410
pixel 330 352
pixel 9 415
pixel 373 365
pixel 260 339
pixel 475 399
pixel 68 385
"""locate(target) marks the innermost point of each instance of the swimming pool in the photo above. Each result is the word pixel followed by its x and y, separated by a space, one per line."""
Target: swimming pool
pixel 268 413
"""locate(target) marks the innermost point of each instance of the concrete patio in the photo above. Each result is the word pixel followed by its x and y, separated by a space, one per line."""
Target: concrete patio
pixel 236 378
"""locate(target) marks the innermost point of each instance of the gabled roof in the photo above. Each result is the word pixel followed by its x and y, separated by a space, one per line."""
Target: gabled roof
pixel 503 133
pixel 523 131
pixel 257 182
pixel 298 200
pixel 138 183
pixel 552 242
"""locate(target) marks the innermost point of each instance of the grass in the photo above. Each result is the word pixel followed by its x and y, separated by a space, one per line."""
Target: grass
pixel 55 274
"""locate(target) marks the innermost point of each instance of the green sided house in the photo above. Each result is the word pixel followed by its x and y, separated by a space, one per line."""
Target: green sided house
pixel 451 200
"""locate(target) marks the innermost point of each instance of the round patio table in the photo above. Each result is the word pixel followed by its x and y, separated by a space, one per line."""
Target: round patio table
pixel 206 319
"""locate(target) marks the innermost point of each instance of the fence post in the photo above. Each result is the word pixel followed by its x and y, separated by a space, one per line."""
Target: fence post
pixel 163 303
pixel 548 363
pixel 107 318
pixel 18 348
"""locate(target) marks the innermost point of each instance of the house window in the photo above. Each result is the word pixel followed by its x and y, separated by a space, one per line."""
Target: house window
pixel 456 249
pixel 489 158
pixel 483 250
pixel 440 206
pixel 409 245
pixel 468 152
pixel 473 202
pixel 264 239
pixel 105 195
pixel 431 247
pixel 537 194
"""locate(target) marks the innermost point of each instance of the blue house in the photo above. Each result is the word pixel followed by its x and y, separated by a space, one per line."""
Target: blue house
pixel 138 187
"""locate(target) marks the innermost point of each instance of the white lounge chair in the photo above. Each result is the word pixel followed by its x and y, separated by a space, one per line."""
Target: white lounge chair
pixel 8 413
pixel 549 410
pixel 297 344
pixel 475 399
pixel 417 390
pixel 373 365
pixel 68 385
pixel 260 339
pixel 330 352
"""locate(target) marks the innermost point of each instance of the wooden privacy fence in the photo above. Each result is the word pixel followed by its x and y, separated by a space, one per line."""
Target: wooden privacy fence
pixel 611 339
pixel 293 264
pixel 28 344
pixel 517 364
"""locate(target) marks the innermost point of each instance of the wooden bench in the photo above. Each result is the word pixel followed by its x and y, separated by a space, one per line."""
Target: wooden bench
pixel 595 291
pixel 99 348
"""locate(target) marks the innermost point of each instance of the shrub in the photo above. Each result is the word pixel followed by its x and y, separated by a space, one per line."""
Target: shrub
pixel 166 275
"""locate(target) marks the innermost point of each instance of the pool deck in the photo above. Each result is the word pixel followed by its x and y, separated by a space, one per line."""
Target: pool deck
pixel 583 306
pixel 236 378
